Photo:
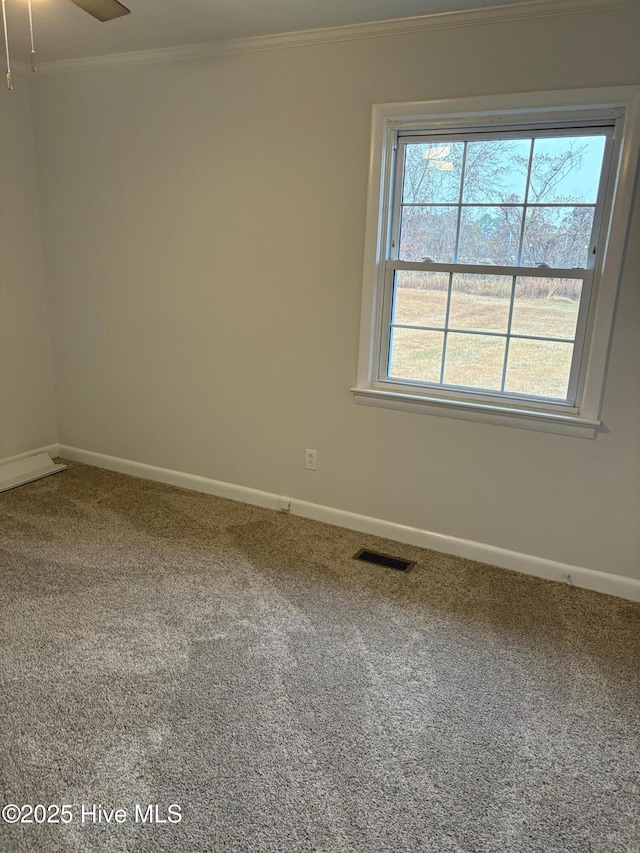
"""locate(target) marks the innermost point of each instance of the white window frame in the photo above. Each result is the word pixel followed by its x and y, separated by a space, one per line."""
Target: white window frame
pixel 621 104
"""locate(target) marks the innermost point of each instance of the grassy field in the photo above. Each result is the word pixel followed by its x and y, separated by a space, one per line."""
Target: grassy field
pixel 534 367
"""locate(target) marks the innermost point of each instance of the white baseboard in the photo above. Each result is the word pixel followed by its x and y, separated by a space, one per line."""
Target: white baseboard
pixel 52 449
pixel 609 584
pixel 36 466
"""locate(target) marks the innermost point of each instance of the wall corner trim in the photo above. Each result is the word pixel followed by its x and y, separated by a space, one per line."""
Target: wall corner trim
pixel 603 582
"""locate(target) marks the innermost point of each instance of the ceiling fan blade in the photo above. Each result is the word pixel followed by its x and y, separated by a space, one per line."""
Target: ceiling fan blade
pixel 103 10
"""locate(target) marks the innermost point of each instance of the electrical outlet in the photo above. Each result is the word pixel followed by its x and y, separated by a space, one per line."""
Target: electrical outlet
pixel 310 459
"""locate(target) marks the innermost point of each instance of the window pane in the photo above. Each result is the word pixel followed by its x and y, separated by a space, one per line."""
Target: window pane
pixel 415 354
pixel 480 302
pixel 420 298
pixel 557 236
pixel 496 171
pixel 432 172
pixel 428 232
pixel 490 235
pixel 566 169
pixel 539 368
pixel 474 360
pixel 546 307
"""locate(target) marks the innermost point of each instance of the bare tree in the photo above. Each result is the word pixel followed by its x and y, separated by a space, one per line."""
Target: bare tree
pixel 503 177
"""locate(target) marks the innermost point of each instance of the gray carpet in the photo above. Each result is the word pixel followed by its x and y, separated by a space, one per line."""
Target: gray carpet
pixel 161 646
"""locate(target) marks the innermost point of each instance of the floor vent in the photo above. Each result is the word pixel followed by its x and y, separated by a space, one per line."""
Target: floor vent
pixel 383 560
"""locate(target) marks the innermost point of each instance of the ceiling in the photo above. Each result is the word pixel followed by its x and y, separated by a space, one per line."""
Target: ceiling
pixel 63 31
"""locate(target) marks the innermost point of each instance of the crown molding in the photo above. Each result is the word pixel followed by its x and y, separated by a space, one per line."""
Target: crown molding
pixel 353 32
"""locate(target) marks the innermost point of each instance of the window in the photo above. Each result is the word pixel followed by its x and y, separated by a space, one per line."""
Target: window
pixel 494 247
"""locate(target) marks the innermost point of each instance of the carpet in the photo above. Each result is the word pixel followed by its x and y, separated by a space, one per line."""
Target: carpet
pixel 184 673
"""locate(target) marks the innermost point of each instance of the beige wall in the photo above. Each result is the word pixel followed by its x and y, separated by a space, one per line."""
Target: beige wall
pixel 27 416
pixel 203 225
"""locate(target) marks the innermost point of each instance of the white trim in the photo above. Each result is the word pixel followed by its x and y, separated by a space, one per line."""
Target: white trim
pixel 173 478
pixel 505 109
pixel 27 470
pixel 352 32
pixel 51 449
pixel 603 582
pixel 467 410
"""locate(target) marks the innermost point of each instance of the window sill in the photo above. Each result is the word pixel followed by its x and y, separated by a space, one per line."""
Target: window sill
pixel 532 419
